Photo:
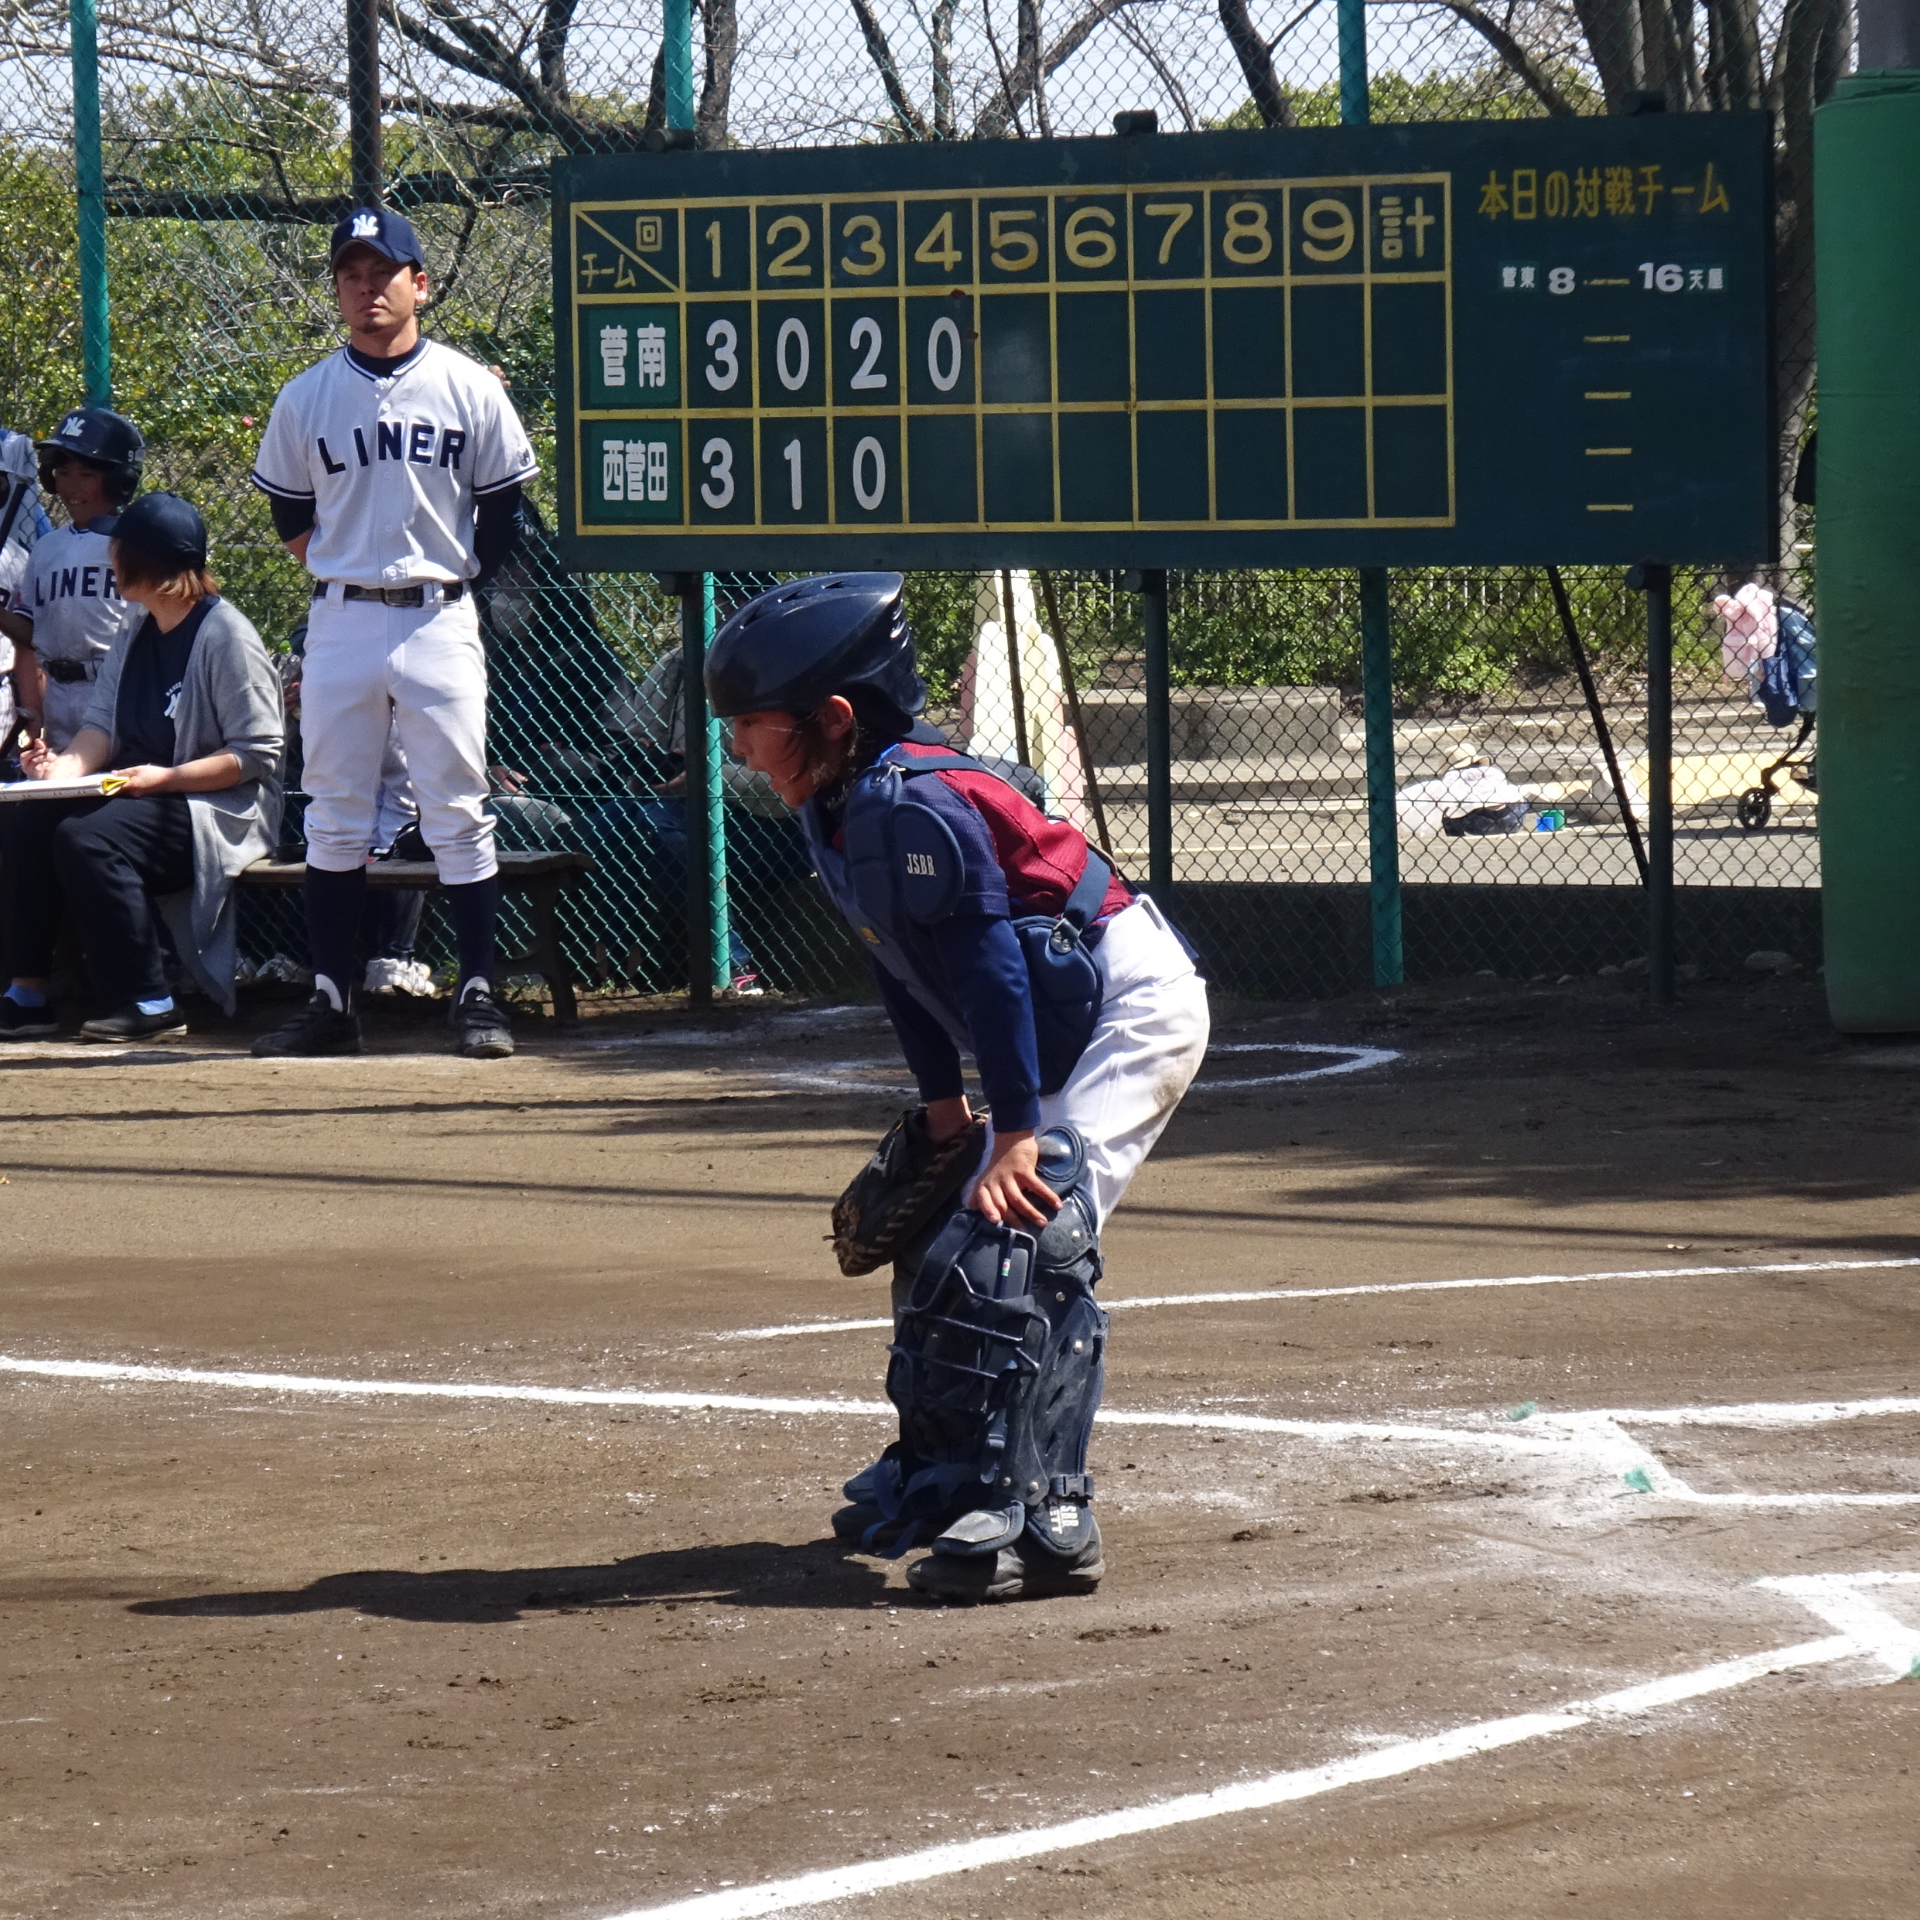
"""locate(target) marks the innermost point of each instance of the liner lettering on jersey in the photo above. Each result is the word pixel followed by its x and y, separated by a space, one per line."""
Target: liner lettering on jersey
pixel 75 583
pixel 418 443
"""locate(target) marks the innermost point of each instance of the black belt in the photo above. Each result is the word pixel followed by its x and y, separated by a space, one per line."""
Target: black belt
pixel 70 672
pixel 450 590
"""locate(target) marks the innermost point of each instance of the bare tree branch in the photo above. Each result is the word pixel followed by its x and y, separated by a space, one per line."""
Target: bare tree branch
pixel 1269 97
pixel 720 23
pixel 1523 65
pixel 911 123
pixel 556 22
pixel 1003 110
pixel 1026 62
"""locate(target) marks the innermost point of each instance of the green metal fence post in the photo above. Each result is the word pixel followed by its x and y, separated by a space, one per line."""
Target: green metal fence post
pixel 677 47
pixel 703 799
pixel 1376 627
pixel 1867 142
pixel 709 941
pixel 366 165
pixel 1383 819
pixel 1355 108
pixel 96 347
pixel 1151 585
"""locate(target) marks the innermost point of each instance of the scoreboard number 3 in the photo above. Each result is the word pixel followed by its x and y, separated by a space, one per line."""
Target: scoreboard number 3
pixel 724 369
pixel 717 489
pixel 873 249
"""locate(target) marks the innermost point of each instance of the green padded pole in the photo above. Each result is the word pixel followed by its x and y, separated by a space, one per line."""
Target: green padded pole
pixel 1866 158
pixel 710 941
pixel 96 349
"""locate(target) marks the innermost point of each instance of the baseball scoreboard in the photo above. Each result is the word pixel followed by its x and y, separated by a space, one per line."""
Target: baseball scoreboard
pixel 1528 341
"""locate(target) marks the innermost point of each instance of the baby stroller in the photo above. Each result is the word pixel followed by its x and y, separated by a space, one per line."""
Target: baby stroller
pixel 1785 684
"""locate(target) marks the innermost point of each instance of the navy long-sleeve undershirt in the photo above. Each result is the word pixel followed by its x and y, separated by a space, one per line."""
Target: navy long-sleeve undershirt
pixel 986 973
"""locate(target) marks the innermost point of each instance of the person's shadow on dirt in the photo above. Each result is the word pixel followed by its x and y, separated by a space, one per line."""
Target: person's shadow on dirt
pixel 756 1573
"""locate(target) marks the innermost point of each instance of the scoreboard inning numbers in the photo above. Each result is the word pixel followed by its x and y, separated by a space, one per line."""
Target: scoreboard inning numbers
pixel 1522 341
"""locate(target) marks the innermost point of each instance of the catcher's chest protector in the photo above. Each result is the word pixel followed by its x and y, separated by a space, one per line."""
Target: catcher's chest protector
pixel 899 866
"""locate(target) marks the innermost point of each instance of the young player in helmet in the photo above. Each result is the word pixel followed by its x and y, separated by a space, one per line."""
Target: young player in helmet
pixel 67 610
pixel 997 930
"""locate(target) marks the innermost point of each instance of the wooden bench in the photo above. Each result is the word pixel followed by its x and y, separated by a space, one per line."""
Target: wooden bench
pixel 536 877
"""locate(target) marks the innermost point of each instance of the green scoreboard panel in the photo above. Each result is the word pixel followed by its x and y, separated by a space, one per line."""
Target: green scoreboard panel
pixel 1529 341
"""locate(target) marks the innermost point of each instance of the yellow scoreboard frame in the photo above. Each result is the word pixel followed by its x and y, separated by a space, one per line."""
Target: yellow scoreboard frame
pixel 1209 349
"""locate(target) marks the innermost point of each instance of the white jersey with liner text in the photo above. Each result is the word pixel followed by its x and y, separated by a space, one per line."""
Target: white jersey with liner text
pixel 70 595
pixel 393 463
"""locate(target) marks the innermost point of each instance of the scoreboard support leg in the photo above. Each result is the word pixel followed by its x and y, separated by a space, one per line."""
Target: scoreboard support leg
pixel 1151 585
pixel 709 936
pixel 709 941
pixel 1376 627
pixel 1656 582
pixel 1383 819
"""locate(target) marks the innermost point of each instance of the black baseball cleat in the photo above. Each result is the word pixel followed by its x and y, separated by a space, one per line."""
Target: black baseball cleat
pixel 480 1029
pixel 1021 1570
pixel 131 1024
pixel 318 1028
pixel 26 1023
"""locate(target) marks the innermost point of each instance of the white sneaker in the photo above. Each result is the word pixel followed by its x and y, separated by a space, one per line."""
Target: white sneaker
pixel 411 977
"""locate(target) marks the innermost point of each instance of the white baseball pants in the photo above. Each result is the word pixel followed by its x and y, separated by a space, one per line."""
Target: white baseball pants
pixel 421 674
pixel 1148 1045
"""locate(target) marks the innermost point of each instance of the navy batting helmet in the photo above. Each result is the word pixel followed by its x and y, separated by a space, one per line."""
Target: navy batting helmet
pixel 795 646
pixel 103 438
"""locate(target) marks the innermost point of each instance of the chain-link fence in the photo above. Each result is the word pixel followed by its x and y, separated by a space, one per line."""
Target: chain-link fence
pixel 226 158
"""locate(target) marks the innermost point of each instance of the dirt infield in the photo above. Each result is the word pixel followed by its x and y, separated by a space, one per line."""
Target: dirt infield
pixel 417 1473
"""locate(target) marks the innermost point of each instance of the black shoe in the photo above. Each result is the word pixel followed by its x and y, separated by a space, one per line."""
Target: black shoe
pixel 26 1023
pixel 1023 1570
pixel 480 1029
pixel 131 1024
pixel 318 1028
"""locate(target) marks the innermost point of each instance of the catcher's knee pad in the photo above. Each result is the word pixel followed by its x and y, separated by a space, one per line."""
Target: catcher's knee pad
pixel 999 1359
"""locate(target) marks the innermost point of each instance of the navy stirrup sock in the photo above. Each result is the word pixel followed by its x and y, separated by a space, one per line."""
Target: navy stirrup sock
pixel 334 901
pixel 475 908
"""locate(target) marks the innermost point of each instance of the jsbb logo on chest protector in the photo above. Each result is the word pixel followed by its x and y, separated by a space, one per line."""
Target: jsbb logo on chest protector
pixel 418 443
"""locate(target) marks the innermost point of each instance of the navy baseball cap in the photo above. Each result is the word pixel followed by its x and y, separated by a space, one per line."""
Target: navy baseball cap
pixel 164 531
pixel 389 234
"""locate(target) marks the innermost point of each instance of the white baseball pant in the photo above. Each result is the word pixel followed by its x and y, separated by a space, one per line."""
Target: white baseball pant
pixel 1145 1050
pixel 417 672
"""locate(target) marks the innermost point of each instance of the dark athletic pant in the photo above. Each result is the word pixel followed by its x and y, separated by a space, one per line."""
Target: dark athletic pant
pixel 99 860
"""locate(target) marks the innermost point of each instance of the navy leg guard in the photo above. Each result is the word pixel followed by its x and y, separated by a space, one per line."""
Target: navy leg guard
pixel 998 1363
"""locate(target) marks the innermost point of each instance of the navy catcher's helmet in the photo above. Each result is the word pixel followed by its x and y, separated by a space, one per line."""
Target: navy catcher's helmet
pixel 795 646
pixel 103 438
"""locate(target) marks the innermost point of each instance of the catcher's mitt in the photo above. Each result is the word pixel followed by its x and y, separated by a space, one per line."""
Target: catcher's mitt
pixel 894 1195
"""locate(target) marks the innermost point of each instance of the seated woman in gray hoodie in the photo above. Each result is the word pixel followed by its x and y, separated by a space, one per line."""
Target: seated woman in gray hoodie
pixel 186 715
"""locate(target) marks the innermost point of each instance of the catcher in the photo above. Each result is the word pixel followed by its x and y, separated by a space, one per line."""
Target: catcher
pixel 994 930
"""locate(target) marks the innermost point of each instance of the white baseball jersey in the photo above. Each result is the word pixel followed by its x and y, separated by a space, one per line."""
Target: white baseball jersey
pixel 69 593
pixel 393 463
